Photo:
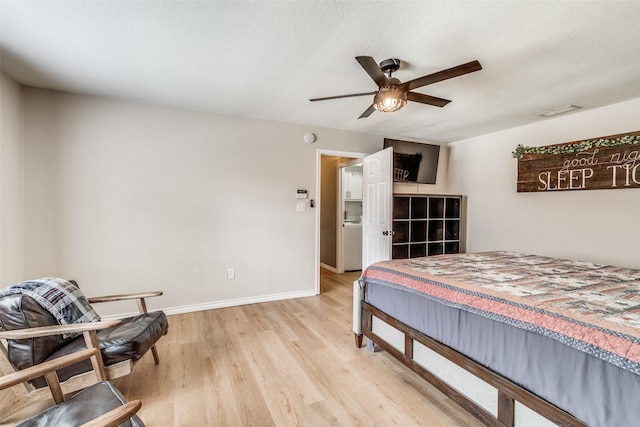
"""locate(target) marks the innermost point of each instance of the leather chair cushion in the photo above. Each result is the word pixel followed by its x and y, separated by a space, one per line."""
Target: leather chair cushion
pixel 88 404
pixel 21 312
pixel 129 340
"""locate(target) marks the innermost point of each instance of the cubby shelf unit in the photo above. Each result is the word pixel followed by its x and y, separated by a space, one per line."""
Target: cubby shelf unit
pixel 426 225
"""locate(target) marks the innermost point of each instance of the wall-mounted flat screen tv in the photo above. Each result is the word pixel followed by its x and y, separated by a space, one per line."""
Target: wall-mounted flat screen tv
pixel 414 161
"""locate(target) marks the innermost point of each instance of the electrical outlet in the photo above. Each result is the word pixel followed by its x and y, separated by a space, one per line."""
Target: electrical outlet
pixel 231 273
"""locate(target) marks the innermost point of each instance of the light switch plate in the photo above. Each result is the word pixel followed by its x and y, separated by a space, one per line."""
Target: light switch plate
pixel 301 206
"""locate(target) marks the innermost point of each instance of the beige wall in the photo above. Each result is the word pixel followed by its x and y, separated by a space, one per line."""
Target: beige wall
pixel 593 225
pixel 127 197
pixel 11 182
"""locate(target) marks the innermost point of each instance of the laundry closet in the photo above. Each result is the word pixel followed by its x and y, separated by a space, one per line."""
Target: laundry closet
pixel 351 206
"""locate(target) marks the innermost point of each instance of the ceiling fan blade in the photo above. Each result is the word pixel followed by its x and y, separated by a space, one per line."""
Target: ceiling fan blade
pixel 367 112
pixel 374 71
pixel 343 96
pixel 449 73
pixel 427 99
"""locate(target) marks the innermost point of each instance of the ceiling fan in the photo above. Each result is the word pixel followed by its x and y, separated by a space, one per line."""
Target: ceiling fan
pixel 392 95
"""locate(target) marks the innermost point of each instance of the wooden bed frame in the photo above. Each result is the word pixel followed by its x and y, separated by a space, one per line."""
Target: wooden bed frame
pixel 508 392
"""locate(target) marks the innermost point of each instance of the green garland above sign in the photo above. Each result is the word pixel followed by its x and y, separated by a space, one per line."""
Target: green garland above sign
pixel 576 147
pixel 609 162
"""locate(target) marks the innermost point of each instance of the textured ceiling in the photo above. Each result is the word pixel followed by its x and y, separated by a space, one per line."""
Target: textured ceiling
pixel 266 59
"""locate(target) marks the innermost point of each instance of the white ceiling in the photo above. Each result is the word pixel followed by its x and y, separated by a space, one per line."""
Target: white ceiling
pixel 266 59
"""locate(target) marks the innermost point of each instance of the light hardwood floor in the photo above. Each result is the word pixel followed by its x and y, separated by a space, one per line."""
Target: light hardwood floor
pixel 283 363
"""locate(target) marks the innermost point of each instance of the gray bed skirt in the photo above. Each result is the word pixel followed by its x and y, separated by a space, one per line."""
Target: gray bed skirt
pixel 592 390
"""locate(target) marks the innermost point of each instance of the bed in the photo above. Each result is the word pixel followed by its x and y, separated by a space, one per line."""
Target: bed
pixel 516 339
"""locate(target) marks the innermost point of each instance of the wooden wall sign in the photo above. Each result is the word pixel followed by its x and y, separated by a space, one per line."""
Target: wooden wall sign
pixel 609 162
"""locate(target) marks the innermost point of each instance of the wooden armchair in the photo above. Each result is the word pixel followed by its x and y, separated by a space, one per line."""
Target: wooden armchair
pixel 33 336
pixel 100 404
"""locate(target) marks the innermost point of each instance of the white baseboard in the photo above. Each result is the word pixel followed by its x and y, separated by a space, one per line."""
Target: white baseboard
pixel 222 304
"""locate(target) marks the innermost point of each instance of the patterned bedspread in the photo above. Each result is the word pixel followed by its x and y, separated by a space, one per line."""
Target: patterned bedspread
pixel 593 308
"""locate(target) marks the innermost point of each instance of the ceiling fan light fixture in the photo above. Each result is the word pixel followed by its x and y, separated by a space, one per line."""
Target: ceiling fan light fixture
pixel 388 100
pixel 392 94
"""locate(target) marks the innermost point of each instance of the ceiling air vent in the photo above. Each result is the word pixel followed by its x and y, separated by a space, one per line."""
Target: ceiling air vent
pixel 559 110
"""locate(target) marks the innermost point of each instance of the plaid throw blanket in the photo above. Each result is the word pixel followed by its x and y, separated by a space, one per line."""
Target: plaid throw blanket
pixel 61 298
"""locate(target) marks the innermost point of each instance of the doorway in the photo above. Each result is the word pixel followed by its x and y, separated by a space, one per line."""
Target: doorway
pixel 349 232
pixel 328 217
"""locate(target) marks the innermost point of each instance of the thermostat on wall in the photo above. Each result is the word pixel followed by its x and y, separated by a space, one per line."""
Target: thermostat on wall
pixel 301 194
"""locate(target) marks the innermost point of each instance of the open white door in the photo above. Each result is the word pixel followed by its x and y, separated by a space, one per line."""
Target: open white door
pixel 377 198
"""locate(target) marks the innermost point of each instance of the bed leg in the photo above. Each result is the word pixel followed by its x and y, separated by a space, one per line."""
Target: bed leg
pixel 358 338
pixel 506 409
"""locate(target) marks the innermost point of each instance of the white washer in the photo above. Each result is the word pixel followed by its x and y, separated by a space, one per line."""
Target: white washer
pixel 352 246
